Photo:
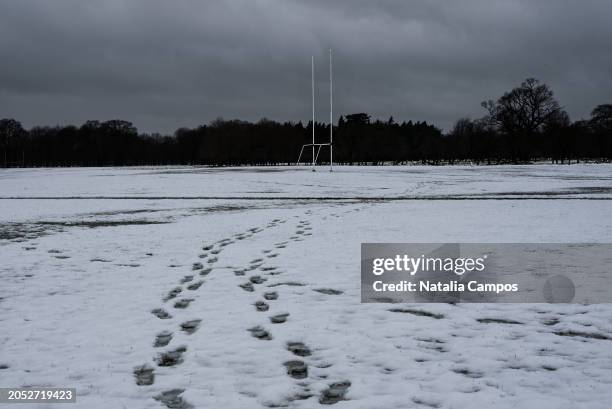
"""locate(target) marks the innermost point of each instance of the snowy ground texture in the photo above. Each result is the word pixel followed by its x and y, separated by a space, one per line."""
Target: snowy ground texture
pixel 232 288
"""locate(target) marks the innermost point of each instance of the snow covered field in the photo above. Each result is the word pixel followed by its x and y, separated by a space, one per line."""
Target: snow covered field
pixel 232 288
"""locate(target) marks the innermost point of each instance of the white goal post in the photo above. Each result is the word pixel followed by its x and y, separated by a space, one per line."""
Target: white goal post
pixel 316 147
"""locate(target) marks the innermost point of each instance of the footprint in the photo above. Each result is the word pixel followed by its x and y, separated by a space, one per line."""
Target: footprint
pixel 288 283
pixel 212 260
pixel 261 306
pixel 272 255
pixel 240 272
pixel 498 321
pixel 247 287
pixel 183 303
pixel 144 375
pixel 195 285
pixel 207 248
pixel 162 339
pixel 173 293
pixel 257 280
pixel 296 369
pixel 420 313
pixel 260 333
pixel 172 399
pixel 190 326
pixel 298 348
pixel 468 373
pixel 186 279
pixel 171 358
pixel 197 266
pixel 101 260
pixel 551 321
pixel 205 272
pixel 328 291
pixel 279 318
pixel 161 314
pixel 334 393
pixel 273 295
pixel 432 344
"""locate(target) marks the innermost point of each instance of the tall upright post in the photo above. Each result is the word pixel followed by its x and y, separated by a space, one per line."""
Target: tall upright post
pixel 331 116
pixel 313 116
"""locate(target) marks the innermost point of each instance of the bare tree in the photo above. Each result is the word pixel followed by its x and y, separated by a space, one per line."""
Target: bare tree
pixel 525 110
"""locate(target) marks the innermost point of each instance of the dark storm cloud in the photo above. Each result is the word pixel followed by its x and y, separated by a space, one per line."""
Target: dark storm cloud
pixel 165 64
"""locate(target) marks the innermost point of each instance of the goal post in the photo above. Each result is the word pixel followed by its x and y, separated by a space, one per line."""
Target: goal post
pixel 316 147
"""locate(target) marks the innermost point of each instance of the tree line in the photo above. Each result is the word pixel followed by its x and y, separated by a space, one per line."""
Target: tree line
pixel 523 125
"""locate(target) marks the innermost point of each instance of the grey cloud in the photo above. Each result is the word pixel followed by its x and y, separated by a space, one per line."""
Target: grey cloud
pixel 167 64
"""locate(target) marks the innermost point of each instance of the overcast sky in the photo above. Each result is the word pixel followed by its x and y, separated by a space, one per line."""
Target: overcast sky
pixel 163 64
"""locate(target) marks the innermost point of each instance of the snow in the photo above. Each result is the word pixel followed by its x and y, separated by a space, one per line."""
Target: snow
pixel 345 181
pixel 81 276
